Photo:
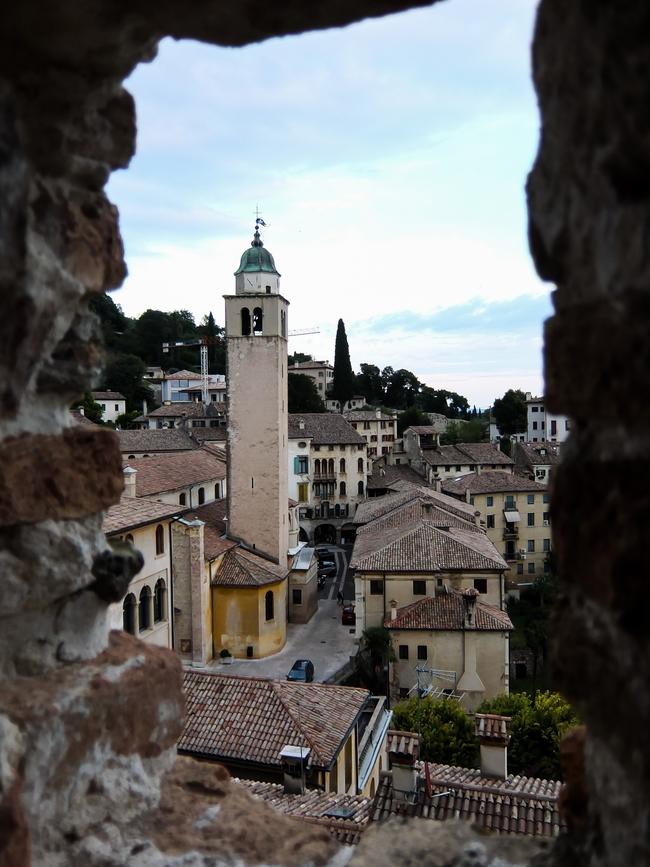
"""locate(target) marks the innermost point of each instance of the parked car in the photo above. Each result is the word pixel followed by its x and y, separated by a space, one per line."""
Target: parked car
pixel 348 617
pixel 302 670
pixel 326 570
pixel 324 551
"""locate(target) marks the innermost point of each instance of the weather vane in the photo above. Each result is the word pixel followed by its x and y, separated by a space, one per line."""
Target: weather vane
pixel 258 220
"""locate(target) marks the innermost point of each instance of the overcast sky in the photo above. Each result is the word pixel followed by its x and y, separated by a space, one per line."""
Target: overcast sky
pixel 389 160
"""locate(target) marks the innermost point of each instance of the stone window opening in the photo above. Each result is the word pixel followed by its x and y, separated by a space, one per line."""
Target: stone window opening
pixel 258 319
pixel 160 540
pixel 159 600
pixel 201 496
pixel 145 609
pixel 217 492
pixel 330 466
pixel 128 614
pixel 342 489
pixel 360 465
pixel 268 605
pixel 342 465
pixel 181 499
pixel 245 322
pixel 360 488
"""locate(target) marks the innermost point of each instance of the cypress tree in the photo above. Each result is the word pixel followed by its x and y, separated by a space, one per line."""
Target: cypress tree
pixel 344 382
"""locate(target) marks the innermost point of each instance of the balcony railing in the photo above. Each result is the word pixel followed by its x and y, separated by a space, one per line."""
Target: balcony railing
pixel 324 476
pixel 510 534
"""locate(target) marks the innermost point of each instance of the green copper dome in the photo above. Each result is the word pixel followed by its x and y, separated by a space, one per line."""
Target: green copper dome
pixel 257 258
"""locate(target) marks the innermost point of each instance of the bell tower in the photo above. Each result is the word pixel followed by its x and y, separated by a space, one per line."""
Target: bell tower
pixel 256 341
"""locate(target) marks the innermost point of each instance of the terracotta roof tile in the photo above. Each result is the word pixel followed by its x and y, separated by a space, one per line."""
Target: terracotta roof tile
pixel 492 727
pixel 315 806
pixel 182 374
pixel 375 507
pixel 250 719
pixel 516 805
pixel 466 453
pixel 447 612
pixel 132 512
pixel 107 395
pixel 382 477
pixel 403 743
pixel 81 419
pixel 172 440
pixel 367 415
pixel 180 408
pixel 490 482
pixel 241 568
pixel 168 472
pixel 324 428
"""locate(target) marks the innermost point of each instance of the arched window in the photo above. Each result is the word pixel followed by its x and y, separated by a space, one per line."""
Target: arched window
pixel 360 488
pixel 181 499
pixel 268 605
pixel 217 492
pixel 245 321
pixel 144 609
pixel 337 510
pixel 317 466
pixel 128 614
pixel 331 466
pixel 258 317
pixel 360 465
pixel 159 601
pixel 342 489
pixel 201 496
pixel 342 465
pixel 160 539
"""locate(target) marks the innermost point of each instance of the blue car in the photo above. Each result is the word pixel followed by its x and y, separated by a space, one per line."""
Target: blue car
pixel 302 670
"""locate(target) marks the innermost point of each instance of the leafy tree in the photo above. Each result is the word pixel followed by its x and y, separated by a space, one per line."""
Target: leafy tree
pixel 463 432
pixel 217 346
pixel 402 389
pixel 510 412
pixel 446 730
pixel 505 444
pixel 374 654
pixel 369 383
pixel 538 724
pixel 297 357
pixel 124 373
pixel 126 420
pixel 343 383
pixel 92 410
pixel 410 417
pixel 303 395
pixel 113 321
pixel 531 615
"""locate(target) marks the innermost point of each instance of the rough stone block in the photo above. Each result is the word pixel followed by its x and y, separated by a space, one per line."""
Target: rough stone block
pixel 66 476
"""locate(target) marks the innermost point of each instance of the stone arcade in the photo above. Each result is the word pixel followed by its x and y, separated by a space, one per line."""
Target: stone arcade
pixel 82 787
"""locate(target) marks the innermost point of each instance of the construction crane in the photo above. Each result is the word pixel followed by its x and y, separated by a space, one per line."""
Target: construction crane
pixel 205 342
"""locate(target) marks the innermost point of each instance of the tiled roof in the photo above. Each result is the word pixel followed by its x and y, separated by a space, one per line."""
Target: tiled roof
pixel 107 395
pixel 178 409
pixel 375 507
pixel 81 419
pixel 212 515
pixel 182 374
pixel 380 480
pixel 215 448
pixel 427 429
pixel 315 806
pixel 366 415
pixel 490 482
pixel 403 743
pixel 172 440
pixel 492 726
pixel 250 719
pixel 242 568
pixel 209 434
pixel 466 453
pixel 447 612
pixel 531 453
pixel 324 428
pixel 160 473
pixel 420 546
pixel 132 512
pixel 517 805
pixel 309 365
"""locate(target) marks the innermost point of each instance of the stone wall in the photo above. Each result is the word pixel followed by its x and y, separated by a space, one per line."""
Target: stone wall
pixel 88 725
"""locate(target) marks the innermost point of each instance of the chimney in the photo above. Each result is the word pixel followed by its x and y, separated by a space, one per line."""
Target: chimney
pixel 493 733
pixel 129 481
pixel 467 495
pixel 470 595
pixel 393 609
pixel 378 413
pixel 403 750
pixel 437 483
pixel 295 761
pixel 301 424
pixel 144 407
